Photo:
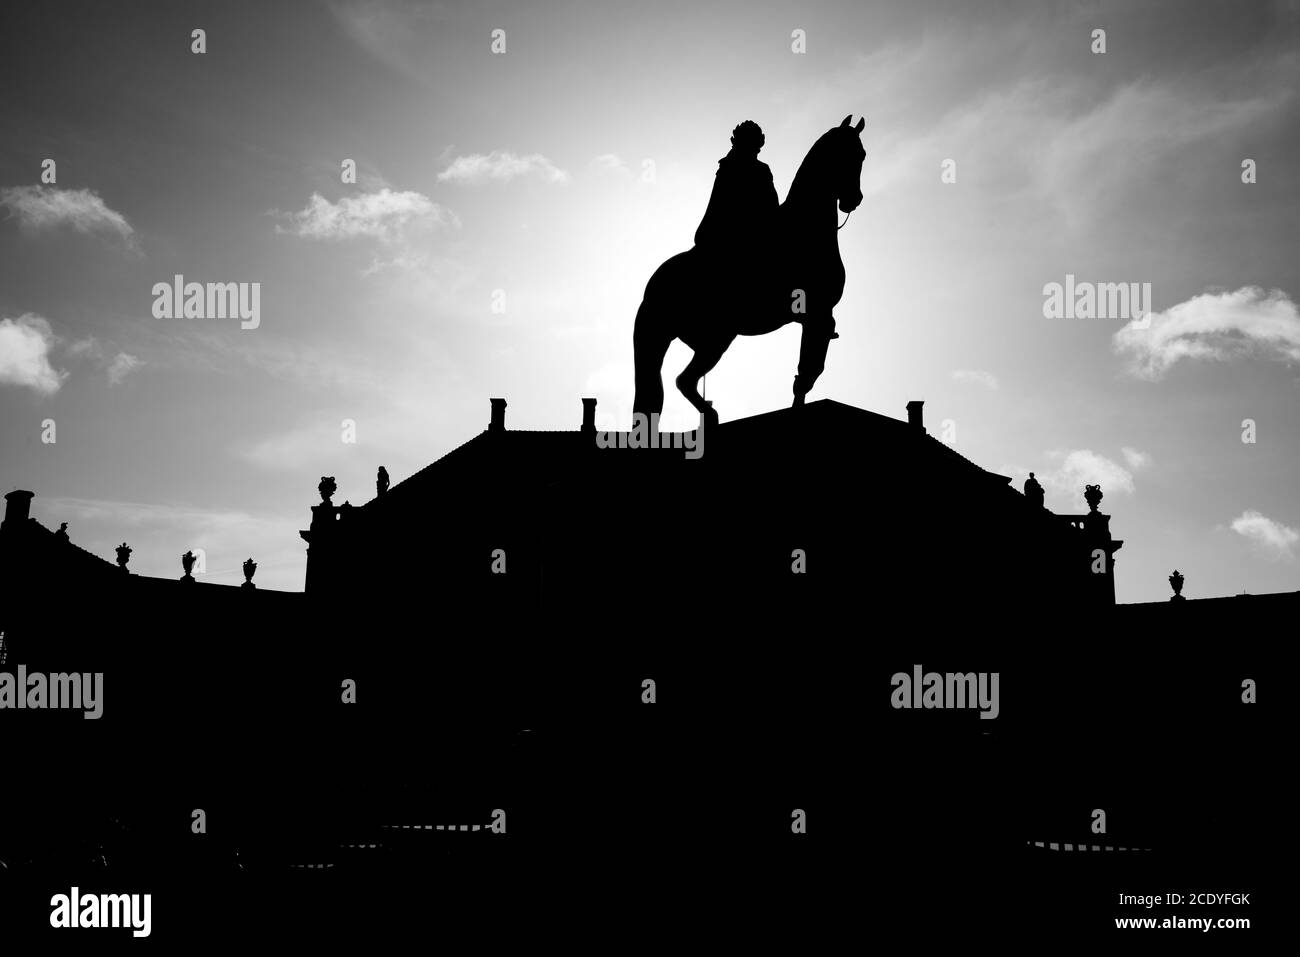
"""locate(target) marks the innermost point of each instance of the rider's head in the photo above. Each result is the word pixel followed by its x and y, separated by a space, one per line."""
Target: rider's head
pixel 747 138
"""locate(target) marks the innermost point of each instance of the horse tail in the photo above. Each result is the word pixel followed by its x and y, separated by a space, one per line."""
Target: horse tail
pixel 650 341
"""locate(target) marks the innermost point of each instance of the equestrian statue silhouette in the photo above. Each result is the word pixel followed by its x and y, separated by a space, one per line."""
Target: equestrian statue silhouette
pixel 754 268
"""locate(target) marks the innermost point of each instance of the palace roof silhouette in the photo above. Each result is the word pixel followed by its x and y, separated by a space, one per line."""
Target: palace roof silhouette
pixel 905 513
pixel 542 522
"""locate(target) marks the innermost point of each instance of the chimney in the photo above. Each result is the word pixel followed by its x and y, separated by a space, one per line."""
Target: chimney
pixel 498 423
pixel 18 506
pixel 914 417
pixel 588 415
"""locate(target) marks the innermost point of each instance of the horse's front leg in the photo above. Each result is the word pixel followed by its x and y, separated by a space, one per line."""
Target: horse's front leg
pixel 817 334
pixel 688 382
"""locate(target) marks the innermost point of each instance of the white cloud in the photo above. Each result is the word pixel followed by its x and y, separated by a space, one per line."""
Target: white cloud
pixel 48 207
pixel 122 365
pixel 976 377
pixel 118 366
pixel 384 215
pixel 1136 460
pixel 1272 537
pixel 1216 326
pixel 84 347
pixel 25 345
pixel 1077 468
pixel 501 166
pixel 609 163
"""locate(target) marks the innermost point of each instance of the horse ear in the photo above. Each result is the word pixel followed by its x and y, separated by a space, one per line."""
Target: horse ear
pixel 861 125
pixel 847 119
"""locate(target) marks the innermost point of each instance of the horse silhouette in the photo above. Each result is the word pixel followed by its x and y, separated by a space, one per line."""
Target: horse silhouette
pixel 799 277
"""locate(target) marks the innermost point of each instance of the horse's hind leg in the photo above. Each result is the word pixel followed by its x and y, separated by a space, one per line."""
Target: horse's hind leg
pixel 704 359
pixel 649 346
pixel 817 333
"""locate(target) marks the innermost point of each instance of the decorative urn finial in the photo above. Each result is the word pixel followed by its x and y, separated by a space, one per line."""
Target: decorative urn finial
pixel 187 563
pixel 250 567
pixel 123 555
pixel 1092 495
pixel 327 488
pixel 1176 583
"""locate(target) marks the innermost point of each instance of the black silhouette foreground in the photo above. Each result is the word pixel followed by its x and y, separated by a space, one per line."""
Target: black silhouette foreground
pixel 706 297
pixel 772 651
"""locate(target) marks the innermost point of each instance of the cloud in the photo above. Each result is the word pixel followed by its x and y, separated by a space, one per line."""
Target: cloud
pixel 1092 158
pixel 975 377
pixel 48 207
pixel 1214 326
pixel 1274 538
pixel 400 34
pixel 25 345
pixel 384 215
pixel 423 276
pixel 83 348
pixel 1136 460
pixel 1079 144
pixel 501 166
pixel 1076 468
pixel 118 366
pixel 122 365
pixel 609 163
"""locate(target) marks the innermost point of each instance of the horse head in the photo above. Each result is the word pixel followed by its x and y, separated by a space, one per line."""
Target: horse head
pixel 846 153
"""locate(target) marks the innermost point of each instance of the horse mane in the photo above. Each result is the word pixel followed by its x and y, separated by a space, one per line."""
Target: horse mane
pixel 807 174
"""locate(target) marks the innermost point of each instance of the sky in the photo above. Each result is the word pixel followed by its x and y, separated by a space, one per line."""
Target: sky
pixel 509 205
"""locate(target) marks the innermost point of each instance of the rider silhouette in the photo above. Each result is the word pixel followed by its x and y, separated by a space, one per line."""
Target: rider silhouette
pixel 741 214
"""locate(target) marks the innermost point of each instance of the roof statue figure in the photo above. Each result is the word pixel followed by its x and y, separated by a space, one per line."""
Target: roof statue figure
pixel 1034 491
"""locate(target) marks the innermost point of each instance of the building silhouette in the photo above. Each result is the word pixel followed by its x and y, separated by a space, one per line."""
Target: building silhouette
pixel 747 530
pixel 500 609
